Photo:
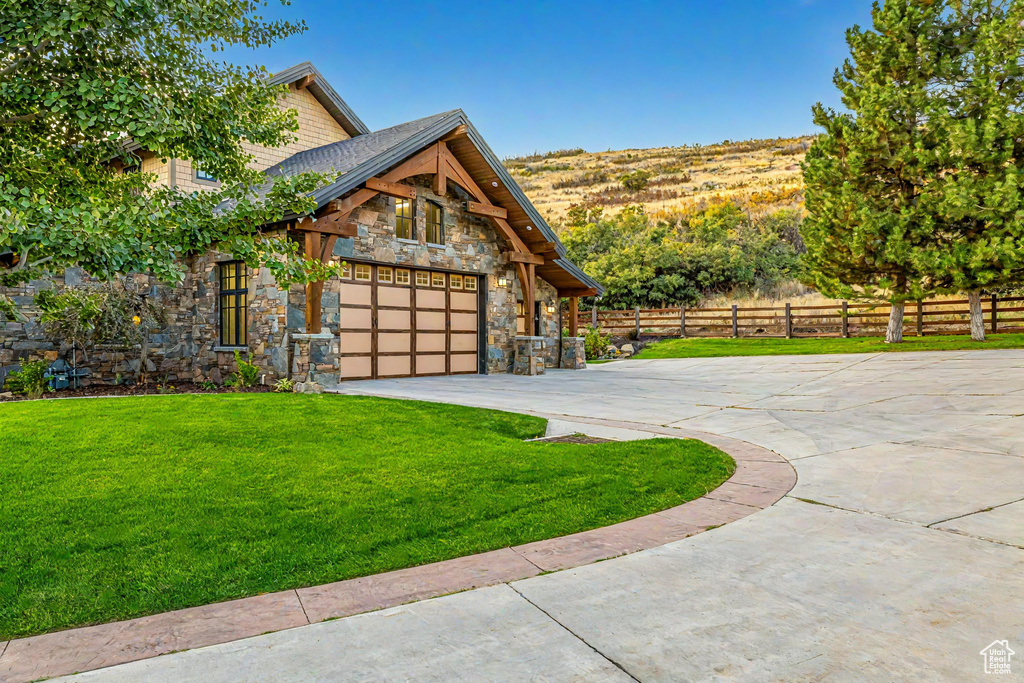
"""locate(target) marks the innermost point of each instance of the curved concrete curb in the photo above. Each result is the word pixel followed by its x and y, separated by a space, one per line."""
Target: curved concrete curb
pixel 761 478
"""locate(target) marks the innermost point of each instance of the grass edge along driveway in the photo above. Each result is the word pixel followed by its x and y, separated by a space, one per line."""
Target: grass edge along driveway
pixel 117 508
pixel 698 347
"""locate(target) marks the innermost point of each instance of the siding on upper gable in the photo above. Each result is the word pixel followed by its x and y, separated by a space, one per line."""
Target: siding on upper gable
pixel 316 129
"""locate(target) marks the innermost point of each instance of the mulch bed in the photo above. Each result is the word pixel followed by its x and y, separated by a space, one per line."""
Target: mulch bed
pixel 148 389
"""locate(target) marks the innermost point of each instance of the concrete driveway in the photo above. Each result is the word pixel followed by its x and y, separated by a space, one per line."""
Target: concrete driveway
pixel 898 555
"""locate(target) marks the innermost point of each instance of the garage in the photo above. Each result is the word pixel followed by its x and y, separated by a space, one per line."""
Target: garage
pixel 404 322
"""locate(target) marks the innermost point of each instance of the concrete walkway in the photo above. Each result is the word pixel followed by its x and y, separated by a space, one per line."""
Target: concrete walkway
pixel 898 555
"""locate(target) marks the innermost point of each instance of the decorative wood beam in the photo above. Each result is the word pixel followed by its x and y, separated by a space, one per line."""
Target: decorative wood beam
pixel 527 283
pixel 314 290
pixel 441 177
pixel 391 189
pixel 333 223
pixel 305 81
pixel 548 250
pixel 577 292
pixel 520 257
pixel 489 210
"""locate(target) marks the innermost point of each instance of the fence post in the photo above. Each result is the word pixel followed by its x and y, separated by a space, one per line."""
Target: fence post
pixel 995 319
pixel 682 321
pixel 846 321
pixel 593 315
pixel 735 323
pixel 637 311
pixel 920 318
pixel 789 321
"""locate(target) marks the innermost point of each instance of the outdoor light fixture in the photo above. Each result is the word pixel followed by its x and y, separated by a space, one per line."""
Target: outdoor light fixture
pixel 494 183
pixel 502 281
pixel 551 308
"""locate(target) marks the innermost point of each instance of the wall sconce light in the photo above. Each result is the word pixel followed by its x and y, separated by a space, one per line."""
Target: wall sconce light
pixel 551 308
pixel 502 281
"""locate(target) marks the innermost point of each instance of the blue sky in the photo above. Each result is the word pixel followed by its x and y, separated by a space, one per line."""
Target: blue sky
pixel 598 75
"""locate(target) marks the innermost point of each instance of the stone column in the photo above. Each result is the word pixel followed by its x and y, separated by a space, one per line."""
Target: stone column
pixel 315 362
pixel 574 354
pixel 529 356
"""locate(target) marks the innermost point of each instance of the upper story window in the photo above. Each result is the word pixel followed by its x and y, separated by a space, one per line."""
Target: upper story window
pixel 403 219
pixel 203 175
pixel 435 223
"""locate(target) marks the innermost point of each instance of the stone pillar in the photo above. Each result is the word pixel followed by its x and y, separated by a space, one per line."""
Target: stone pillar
pixel 529 356
pixel 574 354
pixel 315 362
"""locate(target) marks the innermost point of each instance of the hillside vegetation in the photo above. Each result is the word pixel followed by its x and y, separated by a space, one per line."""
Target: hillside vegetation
pixel 763 175
pixel 677 225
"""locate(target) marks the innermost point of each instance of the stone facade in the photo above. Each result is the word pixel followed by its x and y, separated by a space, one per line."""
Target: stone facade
pixel 574 354
pixel 530 353
pixel 186 347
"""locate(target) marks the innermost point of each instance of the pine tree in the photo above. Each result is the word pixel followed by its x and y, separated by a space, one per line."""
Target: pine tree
pixel 865 175
pixel 976 197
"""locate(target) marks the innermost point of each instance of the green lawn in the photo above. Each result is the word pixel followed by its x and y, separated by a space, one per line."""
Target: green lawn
pixel 705 348
pixel 116 508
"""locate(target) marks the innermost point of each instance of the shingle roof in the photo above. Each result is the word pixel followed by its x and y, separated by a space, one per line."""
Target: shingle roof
pixel 342 157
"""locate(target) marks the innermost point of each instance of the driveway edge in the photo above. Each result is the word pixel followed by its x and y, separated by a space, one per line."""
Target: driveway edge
pixel 762 477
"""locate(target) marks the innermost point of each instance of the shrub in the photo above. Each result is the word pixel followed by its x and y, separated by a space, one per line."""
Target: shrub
pixel 284 386
pixel 69 314
pixel 30 380
pixel 594 343
pixel 636 181
pixel 248 373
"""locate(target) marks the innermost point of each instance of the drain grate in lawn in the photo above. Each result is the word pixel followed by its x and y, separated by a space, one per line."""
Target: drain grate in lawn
pixel 117 508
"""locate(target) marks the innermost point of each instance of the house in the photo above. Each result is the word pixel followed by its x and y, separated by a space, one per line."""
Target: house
pixel 446 263
pixel 998 656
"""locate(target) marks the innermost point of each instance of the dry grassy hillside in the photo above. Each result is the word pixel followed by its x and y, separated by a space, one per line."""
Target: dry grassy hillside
pixel 757 174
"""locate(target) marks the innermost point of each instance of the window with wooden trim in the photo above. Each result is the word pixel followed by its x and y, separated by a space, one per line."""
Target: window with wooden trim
pixel 401 276
pixel 346 271
pixel 234 303
pixel 435 223
pixel 385 274
pixel 422 278
pixel 437 279
pixel 362 272
pixel 203 175
pixel 404 219
pixel 456 281
pixel 470 283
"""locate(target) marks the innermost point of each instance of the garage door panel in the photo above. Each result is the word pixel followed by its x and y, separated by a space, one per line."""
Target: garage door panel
pixel 355 295
pixel 430 341
pixel 393 320
pixel 430 298
pixel 356 319
pixel 355 368
pixel 429 365
pixel 464 321
pixel 464 342
pixel 393 296
pixel 389 342
pixel 464 362
pixel 392 366
pixel 461 301
pixel 355 342
pixel 430 320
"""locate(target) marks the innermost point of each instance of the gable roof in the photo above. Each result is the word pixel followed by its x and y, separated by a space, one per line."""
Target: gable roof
pixel 361 158
pixel 325 95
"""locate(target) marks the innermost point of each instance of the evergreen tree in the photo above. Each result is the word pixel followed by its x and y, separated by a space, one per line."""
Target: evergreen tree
pixel 865 176
pixel 976 198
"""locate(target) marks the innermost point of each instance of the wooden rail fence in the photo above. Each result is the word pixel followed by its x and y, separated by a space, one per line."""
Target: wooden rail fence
pixel 839 319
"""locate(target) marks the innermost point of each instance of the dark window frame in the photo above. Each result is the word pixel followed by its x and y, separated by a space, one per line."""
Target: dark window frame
pixel 205 177
pixel 410 217
pixel 439 224
pixel 233 300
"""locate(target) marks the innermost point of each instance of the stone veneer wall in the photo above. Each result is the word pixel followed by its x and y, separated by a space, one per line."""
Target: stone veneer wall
pixel 187 348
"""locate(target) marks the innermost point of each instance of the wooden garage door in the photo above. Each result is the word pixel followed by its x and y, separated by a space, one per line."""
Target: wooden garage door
pixel 401 322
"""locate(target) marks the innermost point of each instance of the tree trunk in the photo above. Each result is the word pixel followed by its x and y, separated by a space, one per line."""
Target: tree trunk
pixel 894 333
pixel 977 317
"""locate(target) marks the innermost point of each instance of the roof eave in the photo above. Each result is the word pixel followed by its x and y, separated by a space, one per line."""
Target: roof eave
pixel 325 94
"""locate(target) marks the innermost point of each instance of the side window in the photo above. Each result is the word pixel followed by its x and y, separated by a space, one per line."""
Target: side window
pixel 435 223
pixel 404 219
pixel 204 176
pixel 234 303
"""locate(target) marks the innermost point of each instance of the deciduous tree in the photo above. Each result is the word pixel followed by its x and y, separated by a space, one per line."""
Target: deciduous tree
pixel 83 83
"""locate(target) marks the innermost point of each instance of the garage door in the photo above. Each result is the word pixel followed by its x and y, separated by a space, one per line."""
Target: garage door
pixel 401 322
